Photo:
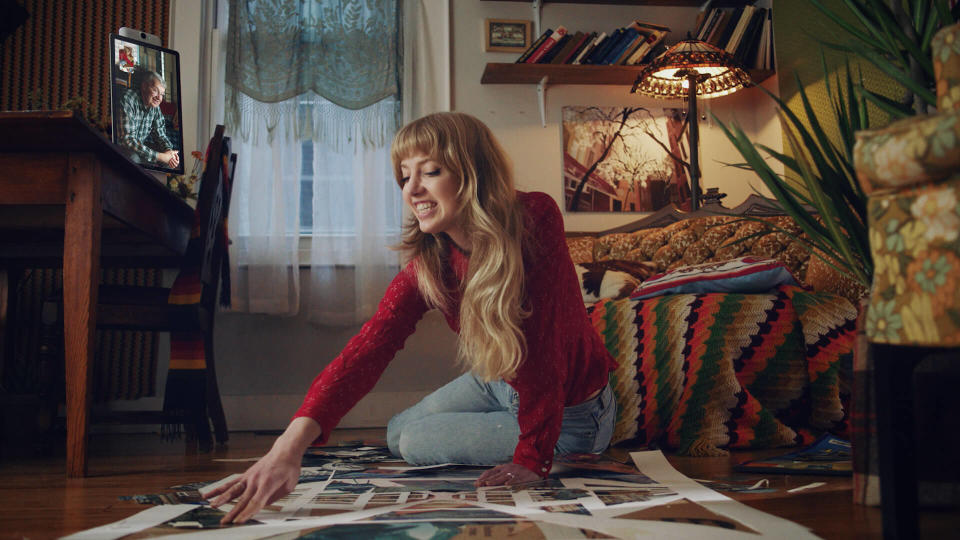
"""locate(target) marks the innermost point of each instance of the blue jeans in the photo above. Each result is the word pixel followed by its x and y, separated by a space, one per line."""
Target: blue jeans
pixel 473 422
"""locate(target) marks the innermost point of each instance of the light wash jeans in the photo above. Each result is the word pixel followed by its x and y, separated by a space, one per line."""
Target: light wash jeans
pixel 473 422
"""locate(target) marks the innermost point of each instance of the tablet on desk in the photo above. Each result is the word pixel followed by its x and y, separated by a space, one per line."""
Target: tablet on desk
pixel 145 103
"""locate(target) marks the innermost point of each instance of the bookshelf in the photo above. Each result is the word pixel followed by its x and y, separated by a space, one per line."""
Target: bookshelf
pixel 590 74
pixel 510 73
pixel 681 3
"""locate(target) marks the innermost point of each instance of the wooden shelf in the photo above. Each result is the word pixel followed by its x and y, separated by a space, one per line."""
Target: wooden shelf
pixel 682 3
pixel 502 73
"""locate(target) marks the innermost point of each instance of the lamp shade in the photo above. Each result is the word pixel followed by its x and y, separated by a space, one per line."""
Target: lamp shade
pixel 668 76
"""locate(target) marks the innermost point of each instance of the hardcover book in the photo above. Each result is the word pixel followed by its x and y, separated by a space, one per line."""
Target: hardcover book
pixel 547 45
pixel 536 45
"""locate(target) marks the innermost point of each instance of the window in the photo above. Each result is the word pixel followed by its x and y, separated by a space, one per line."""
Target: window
pixel 333 179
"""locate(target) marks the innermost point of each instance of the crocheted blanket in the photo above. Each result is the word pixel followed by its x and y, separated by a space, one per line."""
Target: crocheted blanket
pixel 702 372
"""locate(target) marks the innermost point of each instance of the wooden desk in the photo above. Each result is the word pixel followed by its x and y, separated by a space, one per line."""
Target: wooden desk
pixel 69 197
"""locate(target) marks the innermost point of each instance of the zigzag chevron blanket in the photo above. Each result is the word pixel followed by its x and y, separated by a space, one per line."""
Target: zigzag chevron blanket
pixel 703 372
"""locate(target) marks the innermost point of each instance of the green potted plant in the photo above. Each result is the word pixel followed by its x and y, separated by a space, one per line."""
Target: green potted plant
pixel 822 193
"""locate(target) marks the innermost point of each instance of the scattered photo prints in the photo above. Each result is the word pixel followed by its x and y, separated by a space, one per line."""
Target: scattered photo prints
pixel 589 497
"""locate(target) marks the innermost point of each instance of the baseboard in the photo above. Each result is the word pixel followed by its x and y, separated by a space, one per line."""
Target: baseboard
pixel 273 412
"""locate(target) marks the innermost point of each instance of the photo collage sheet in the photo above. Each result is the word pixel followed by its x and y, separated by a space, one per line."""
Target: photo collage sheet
pixel 362 492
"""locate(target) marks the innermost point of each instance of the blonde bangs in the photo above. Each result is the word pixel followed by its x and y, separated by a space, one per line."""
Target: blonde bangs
pixel 492 344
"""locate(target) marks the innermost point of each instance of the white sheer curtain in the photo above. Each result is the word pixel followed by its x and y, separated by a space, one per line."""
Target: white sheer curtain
pixel 356 208
pixel 265 213
pixel 354 224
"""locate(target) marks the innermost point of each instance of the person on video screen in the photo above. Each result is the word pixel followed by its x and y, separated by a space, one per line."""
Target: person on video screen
pixel 143 123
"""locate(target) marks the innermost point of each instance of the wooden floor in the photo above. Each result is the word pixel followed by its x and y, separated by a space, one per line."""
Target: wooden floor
pixel 38 501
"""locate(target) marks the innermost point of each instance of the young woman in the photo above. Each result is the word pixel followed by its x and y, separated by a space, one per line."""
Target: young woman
pixel 495 262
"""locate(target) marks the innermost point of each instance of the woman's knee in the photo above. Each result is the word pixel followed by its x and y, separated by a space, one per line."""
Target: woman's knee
pixel 476 439
pixel 394 430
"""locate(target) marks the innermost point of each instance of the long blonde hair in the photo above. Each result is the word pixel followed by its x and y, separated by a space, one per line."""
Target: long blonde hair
pixel 492 344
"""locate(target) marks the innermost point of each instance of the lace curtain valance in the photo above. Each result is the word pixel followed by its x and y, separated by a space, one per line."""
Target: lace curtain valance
pixel 345 51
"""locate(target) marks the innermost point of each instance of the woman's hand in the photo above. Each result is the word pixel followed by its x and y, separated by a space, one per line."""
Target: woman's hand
pixel 507 474
pixel 270 478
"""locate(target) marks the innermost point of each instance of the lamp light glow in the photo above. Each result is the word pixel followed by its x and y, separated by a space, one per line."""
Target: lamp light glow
pixel 689 70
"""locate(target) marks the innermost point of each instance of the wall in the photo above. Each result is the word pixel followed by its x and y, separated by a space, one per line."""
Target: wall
pixel 511 110
pixel 265 364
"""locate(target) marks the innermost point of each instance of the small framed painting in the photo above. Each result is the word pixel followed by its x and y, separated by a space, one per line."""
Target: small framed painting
pixel 506 35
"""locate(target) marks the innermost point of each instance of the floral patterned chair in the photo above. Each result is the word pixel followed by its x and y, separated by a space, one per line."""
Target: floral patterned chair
pixel 911 172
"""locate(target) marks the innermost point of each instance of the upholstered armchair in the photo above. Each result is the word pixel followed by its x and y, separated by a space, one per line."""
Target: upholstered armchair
pixel 911 172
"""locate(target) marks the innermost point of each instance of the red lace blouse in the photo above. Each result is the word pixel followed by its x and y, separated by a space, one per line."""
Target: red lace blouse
pixel 566 360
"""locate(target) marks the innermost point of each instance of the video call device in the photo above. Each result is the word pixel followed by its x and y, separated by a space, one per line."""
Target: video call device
pixel 145 101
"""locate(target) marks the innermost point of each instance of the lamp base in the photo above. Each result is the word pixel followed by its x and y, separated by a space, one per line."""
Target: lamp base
pixel 712 197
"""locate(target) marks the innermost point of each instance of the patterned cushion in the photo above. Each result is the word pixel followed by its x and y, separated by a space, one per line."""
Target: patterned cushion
pixel 908 152
pixel 945 49
pixel 701 240
pixel 611 279
pixel 744 275
pixel 581 248
pixel 704 372
pixel 915 244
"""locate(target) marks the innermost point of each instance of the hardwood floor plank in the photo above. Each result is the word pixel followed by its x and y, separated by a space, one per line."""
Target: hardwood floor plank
pixel 37 501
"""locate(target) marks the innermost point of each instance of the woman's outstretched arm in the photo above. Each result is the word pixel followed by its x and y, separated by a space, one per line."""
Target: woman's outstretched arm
pixel 271 477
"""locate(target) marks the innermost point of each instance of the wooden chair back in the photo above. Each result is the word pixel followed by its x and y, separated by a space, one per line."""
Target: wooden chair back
pixel 213 203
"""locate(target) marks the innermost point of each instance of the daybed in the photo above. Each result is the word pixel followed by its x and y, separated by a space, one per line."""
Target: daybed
pixel 764 364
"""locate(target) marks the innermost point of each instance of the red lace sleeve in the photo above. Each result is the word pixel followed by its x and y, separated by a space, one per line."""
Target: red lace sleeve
pixel 358 367
pixel 556 317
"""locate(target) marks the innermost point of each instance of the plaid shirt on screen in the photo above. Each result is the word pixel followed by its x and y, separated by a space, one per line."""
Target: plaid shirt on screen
pixel 138 122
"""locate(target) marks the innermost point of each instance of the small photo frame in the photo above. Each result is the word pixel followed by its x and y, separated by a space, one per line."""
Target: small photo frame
pixel 506 35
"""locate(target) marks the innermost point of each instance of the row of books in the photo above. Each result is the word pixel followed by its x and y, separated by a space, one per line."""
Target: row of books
pixel 745 32
pixel 629 45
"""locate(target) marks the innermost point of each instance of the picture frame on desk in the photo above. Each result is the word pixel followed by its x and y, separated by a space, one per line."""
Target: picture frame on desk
pixel 506 35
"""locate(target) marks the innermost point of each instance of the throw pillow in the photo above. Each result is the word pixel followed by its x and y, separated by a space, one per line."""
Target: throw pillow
pixel 611 279
pixel 740 275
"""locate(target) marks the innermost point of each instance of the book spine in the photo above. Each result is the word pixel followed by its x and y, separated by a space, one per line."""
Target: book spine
pixel 555 49
pixel 601 52
pixel 536 45
pixel 584 43
pixel 566 55
pixel 571 42
pixel 708 24
pixel 719 29
pixel 737 35
pixel 656 34
pixel 747 50
pixel 626 38
pixel 550 42
pixel 728 29
pixel 631 48
pixel 583 54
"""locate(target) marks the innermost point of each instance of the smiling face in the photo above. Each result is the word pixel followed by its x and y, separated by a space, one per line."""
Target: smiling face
pixel 430 190
pixel 152 93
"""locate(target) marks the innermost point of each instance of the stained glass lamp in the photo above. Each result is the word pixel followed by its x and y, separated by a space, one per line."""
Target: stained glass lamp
pixel 692 69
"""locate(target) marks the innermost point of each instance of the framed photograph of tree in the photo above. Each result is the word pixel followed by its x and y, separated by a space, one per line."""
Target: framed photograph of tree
pixel 625 159
pixel 506 35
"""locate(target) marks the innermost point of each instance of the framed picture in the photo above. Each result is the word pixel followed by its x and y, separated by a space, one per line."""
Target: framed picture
pixel 145 104
pixel 625 159
pixel 506 35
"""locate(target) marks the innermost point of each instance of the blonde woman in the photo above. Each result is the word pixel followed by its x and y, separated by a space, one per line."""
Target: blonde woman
pixel 495 262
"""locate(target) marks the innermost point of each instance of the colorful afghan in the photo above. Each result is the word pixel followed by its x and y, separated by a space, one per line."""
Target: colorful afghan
pixel 702 372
